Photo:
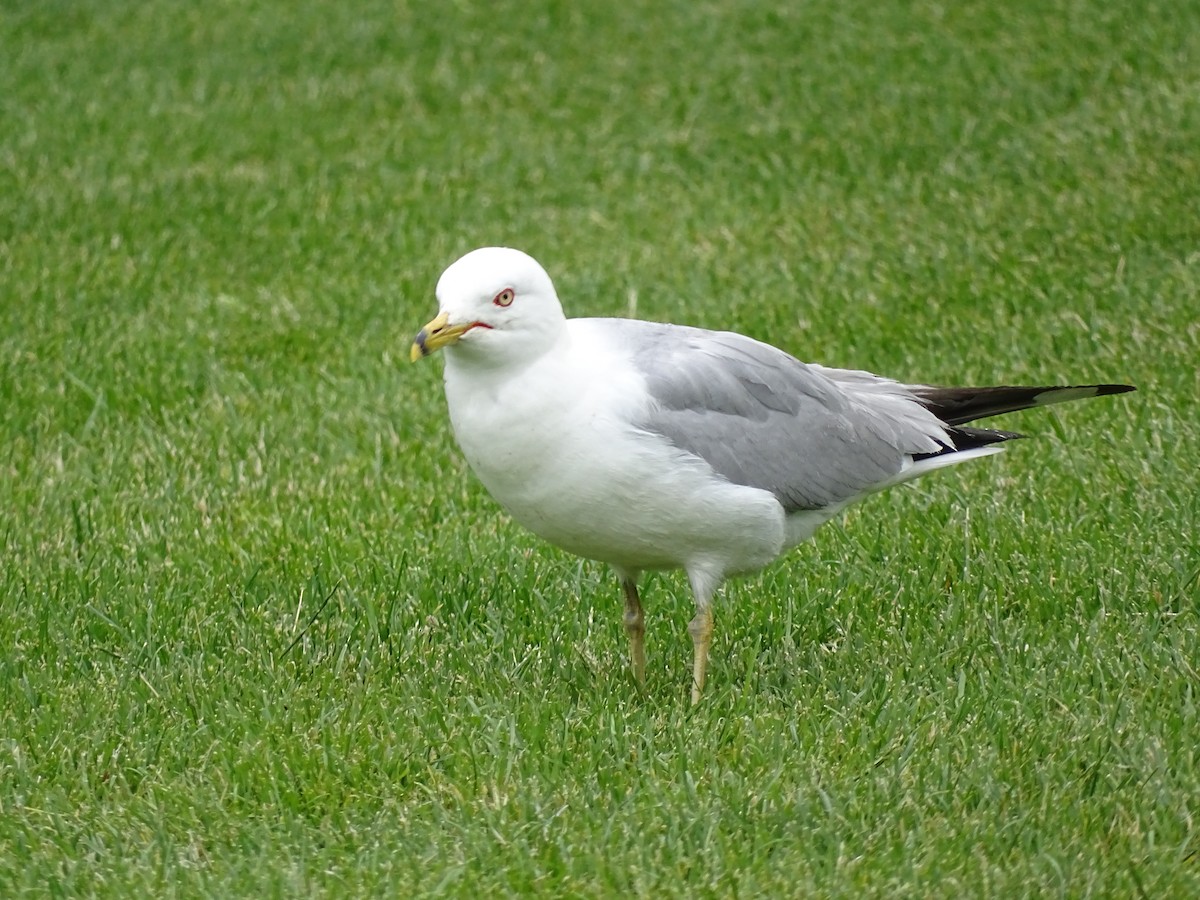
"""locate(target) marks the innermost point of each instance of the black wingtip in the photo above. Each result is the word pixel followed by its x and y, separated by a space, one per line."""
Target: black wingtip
pixel 955 406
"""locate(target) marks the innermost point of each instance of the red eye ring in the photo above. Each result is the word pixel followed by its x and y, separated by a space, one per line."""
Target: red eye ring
pixel 505 297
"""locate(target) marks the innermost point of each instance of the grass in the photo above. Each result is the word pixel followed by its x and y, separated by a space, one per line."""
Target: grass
pixel 261 632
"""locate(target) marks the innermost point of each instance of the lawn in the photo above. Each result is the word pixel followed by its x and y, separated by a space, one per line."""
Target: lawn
pixel 262 634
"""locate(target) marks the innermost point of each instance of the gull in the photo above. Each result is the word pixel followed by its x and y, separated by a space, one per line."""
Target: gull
pixel 651 446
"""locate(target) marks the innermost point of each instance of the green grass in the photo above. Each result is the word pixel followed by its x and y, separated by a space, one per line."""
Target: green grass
pixel 261 634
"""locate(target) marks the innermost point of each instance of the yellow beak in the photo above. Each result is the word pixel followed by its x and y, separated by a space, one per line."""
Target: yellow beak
pixel 436 334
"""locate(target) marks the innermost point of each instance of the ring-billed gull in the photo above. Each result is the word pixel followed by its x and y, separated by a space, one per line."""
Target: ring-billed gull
pixel 652 446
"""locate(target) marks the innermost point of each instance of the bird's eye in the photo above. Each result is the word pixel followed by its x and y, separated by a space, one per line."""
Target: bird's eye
pixel 504 298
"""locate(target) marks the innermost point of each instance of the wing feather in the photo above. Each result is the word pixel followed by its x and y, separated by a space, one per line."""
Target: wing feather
pixel 764 419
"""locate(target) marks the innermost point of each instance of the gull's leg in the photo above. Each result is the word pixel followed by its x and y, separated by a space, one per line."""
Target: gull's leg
pixel 701 629
pixel 704 585
pixel 635 627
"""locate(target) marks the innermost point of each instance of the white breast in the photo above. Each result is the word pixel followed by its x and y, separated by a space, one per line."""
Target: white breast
pixel 553 443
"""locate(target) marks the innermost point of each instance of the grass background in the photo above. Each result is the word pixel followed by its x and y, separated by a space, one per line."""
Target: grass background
pixel 262 634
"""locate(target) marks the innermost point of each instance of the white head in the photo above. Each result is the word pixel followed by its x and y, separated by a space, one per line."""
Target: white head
pixel 495 305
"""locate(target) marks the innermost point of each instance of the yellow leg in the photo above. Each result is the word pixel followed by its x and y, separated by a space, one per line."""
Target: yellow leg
pixel 701 629
pixel 635 627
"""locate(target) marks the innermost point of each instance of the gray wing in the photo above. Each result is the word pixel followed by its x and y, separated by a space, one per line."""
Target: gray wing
pixel 764 419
